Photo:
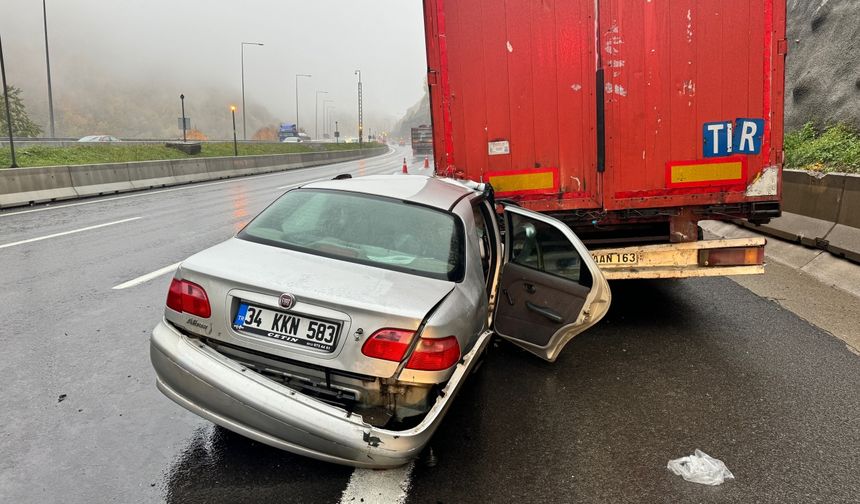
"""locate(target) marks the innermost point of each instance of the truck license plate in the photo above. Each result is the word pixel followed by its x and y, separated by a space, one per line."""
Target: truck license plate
pixel 616 258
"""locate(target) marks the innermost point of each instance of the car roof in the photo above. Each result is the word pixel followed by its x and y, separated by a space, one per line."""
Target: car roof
pixel 430 191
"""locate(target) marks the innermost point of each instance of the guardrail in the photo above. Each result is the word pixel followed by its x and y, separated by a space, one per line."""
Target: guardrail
pixel 26 186
pixel 820 211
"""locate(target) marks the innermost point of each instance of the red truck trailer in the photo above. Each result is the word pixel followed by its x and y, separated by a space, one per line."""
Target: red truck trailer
pixel 629 120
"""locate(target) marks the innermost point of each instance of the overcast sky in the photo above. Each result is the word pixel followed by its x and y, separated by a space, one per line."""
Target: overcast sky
pixel 188 45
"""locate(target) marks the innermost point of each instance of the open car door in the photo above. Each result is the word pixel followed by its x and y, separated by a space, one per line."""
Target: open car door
pixel 550 289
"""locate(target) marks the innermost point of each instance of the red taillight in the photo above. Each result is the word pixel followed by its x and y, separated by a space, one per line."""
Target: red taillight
pixel 188 297
pixel 387 344
pixel 736 256
pixel 435 354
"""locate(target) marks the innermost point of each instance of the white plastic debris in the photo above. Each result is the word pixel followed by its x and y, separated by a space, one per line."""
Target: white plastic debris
pixel 700 468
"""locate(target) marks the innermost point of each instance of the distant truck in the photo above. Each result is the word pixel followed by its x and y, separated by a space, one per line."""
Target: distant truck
pixel 422 141
pixel 629 121
pixel 287 130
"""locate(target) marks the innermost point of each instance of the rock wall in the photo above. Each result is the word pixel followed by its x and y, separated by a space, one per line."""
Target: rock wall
pixel 822 81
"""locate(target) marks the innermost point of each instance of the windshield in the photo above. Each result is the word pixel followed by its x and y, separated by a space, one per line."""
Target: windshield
pixel 370 230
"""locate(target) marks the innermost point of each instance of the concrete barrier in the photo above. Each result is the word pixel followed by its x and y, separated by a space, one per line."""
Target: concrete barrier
pixel 24 186
pixel 186 171
pixel 151 174
pixel 820 211
pixel 844 239
pixel 95 180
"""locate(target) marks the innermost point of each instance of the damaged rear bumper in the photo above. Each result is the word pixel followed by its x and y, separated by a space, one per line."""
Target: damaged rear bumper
pixel 226 393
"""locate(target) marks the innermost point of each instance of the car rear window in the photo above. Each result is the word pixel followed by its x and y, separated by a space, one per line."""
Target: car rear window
pixel 376 231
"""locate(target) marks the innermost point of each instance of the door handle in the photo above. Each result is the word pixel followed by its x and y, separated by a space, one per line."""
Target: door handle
pixel 546 312
pixel 530 288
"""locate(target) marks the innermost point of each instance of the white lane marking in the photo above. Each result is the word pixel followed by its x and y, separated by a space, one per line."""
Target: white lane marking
pixel 378 487
pixel 147 277
pixel 31 240
pixel 199 185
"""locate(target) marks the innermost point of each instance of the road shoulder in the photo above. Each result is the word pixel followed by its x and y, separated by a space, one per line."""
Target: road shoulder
pixel 820 288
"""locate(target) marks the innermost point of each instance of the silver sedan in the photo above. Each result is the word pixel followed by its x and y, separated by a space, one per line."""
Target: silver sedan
pixel 342 321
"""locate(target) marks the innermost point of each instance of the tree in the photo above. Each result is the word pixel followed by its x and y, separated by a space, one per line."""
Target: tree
pixel 269 133
pixel 22 126
pixel 196 134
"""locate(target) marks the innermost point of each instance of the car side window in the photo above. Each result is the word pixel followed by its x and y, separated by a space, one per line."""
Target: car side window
pixel 543 247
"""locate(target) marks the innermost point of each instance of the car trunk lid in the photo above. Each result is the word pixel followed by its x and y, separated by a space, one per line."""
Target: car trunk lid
pixel 359 299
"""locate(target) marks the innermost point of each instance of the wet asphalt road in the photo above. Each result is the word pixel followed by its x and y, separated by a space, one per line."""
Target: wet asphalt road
pixel 676 365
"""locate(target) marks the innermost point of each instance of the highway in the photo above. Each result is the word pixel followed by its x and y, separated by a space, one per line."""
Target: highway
pixel 675 366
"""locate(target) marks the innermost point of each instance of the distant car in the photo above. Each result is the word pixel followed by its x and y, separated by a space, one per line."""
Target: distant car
pixel 341 321
pixel 99 138
pixel 293 139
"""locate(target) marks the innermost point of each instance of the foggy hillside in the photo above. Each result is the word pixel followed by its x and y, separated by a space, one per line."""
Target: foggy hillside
pixel 417 115
pixel 133 110
pixel 822 81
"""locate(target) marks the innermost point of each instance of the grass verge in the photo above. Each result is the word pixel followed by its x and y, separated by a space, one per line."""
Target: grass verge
pixel 28 156
pixel 833 149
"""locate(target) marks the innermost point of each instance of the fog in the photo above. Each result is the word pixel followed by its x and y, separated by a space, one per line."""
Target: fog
pixel 119 66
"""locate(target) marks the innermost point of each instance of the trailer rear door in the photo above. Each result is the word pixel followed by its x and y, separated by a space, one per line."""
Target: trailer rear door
pixel 686 83
pixel 613 104
pixel 512 89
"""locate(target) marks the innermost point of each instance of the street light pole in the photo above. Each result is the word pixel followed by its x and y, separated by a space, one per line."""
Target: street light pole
pixel 184 137
pixel 244 126
pixel 360 111
pixel 48 65
pixel 8 110
pixel 336 133
pixel 317 114
pixel 297 100
pixel 325 115
pixel 235 146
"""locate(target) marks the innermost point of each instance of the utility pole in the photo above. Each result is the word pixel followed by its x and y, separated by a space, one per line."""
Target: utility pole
pixel 360 111
pixel 8 110
pixel 48 64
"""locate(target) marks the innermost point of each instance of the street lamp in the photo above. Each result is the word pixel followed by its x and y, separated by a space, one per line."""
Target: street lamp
pixel 48 65
pixel 244 130
pixel 326 107
pixel 360 111
pixel 235 146
pixel 317 114
pixel 297 99
pixel 182 99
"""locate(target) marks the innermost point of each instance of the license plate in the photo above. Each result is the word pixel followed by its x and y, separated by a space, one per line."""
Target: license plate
pixel 616 258
pixel 287 327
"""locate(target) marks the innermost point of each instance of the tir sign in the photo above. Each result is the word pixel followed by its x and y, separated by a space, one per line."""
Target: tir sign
pixel 722 139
